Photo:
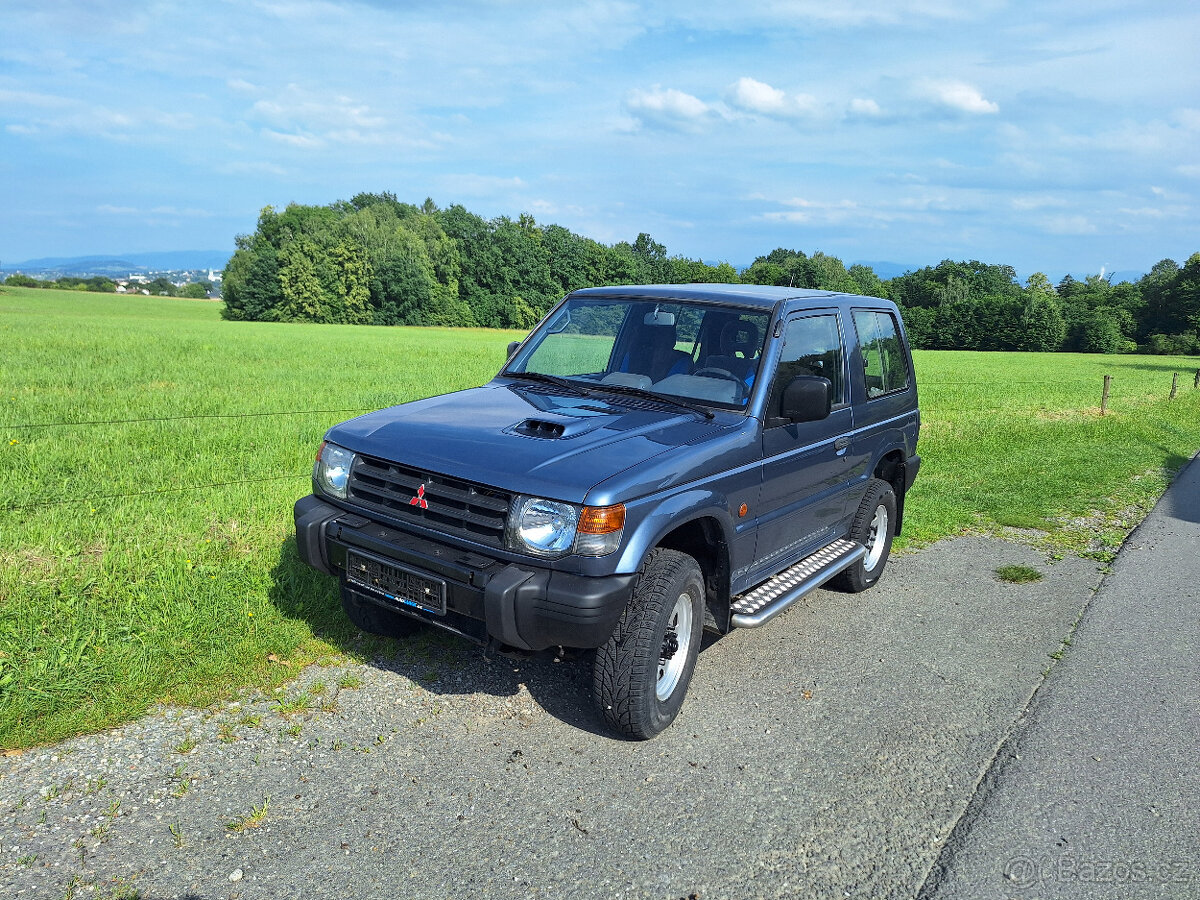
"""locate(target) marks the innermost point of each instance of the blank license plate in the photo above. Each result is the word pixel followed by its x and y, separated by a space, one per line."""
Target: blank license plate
pixel 397 582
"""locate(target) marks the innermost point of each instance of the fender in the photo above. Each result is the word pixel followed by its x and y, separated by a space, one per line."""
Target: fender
pixel 674 512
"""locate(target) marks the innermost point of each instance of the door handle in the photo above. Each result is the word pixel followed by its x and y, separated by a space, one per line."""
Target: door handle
pixel 841 443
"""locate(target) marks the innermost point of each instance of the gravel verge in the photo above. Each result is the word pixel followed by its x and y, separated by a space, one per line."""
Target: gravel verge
pixel 827 754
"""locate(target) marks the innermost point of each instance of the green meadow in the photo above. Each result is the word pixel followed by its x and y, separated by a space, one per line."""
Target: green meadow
pixel 151 453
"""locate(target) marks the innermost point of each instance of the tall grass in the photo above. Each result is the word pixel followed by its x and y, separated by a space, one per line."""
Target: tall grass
pixel 1017 439
pixel 151 453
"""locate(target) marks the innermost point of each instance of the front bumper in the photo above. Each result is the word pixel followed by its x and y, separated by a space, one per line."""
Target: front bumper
pixel 524 606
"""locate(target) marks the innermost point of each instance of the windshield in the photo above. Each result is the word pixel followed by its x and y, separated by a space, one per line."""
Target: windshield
pixel 694 351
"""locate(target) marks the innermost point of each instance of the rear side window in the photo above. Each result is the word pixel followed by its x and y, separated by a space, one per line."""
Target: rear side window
pixel 811 346
pixel 884 363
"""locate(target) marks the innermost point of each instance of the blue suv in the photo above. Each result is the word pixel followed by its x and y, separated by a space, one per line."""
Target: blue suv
pixel 650 462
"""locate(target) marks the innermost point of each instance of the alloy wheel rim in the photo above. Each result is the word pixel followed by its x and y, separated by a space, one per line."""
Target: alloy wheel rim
pixel 673 655
pixel 876 538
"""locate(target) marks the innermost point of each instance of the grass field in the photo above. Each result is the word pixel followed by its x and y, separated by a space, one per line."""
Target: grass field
pixel 152 453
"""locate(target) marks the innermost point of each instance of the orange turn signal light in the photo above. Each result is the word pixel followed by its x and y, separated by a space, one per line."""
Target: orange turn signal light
pixel 602 519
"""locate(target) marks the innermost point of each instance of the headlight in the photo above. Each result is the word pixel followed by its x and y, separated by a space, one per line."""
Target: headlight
pixel 550 528
pixel 332 470
pixel 542 527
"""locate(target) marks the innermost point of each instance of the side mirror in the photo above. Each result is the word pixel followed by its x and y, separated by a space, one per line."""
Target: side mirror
pixel 806 398
pixel 512 348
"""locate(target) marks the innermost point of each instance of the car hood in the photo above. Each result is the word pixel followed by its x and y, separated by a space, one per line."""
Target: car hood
pixel 527 439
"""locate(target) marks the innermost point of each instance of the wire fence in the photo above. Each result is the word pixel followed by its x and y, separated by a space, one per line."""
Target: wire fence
pixel 245 415
pixel 81 501
pixel 88 501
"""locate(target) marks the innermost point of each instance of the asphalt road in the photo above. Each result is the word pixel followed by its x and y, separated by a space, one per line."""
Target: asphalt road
pixel 828 754
pixel 1097 794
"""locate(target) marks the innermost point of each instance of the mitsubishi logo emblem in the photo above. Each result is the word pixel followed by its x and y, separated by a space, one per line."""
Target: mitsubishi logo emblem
pixel 419 500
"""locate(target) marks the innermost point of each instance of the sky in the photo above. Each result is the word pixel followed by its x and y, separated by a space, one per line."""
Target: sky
pixel 1052 136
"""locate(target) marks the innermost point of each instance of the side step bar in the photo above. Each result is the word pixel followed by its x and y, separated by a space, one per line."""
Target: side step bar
pixel 772 597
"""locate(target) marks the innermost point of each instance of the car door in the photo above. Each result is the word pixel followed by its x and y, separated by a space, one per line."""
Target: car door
pixel 884 392
pixel 805 469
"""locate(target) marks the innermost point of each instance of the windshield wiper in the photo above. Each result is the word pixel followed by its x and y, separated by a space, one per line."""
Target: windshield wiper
pixel 565 383
pixel 653 395
pixel 592 390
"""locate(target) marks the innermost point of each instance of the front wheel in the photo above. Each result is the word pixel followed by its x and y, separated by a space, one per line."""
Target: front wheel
pixel 642 673
pixel 874 526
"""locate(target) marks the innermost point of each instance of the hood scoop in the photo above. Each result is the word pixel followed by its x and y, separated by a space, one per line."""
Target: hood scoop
pixel 553 429
pixel 540 428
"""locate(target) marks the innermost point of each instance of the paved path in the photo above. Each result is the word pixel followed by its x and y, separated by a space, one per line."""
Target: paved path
pixel 1097 794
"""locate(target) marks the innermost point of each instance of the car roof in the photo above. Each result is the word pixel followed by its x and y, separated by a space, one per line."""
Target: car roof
pixel 755 295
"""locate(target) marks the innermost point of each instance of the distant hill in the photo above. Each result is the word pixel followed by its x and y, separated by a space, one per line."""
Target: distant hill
pixel 122 264
pixel 885 270
pixel 177 260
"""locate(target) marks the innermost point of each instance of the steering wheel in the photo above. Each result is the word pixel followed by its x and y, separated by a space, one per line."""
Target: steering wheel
pixel 724 375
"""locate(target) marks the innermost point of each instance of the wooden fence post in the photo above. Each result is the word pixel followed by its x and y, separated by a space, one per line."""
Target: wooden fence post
pixel 1174 384
pixel 1104 396
pixel 1196 383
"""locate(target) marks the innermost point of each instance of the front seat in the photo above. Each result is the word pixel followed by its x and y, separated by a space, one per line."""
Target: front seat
pixel 653 354
pixel 737 336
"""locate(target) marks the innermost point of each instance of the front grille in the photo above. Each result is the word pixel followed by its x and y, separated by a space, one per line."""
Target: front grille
pixel 448 505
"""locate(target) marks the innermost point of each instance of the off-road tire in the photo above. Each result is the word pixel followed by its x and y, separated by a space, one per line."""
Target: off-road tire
pixel 874 527
pixel 374 619
pixel 630 670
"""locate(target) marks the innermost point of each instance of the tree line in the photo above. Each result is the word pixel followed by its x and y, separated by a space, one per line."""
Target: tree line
pixel 376 260
pixel 974 306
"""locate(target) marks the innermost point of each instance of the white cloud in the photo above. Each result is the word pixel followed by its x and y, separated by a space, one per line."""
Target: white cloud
pixel 864 106
pixel 757 96
pixel 1068 225
pixel 34 98
pixel 957 95
pixel 753 96
pixel 1189 118
pixel 1027 202
pixel 803 14
pixel 299 107
pixel 809 212
pixel 543 207
pixel 670 107
pixel 1143 212
pixel 304 141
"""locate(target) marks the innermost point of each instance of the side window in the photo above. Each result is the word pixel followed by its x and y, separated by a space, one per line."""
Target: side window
pixel 811 346
pixel 884 364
